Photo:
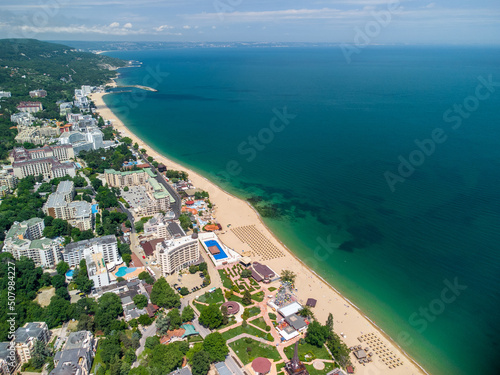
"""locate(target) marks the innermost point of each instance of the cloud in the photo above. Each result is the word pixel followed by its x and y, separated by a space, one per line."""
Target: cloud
pixel 430 5
pixel 115 24
pixel 81 29
pixel 128 25
pixel 163 27
pixel 187 27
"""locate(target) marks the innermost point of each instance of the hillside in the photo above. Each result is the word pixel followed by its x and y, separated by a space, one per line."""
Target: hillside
pixel 40 61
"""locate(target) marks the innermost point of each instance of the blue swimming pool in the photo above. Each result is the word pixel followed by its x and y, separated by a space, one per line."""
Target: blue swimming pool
pixel 69 274
pixel 95 208
pixel 219 256
pixel 122 271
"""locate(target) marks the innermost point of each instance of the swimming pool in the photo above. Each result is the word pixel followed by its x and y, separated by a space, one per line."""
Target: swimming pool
pixel 69 274
pixel 122 271
pixel 219 256
pixel 95 208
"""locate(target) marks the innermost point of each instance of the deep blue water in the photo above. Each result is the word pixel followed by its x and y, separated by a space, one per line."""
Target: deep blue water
pixel 325 166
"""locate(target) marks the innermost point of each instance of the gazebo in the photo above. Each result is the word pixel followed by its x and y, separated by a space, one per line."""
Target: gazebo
pixel 232 307
pixel 261 365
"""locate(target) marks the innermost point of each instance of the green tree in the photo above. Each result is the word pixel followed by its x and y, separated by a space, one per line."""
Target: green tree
pixel 163 295
pixel 211 316
pixel 40 354
pixel 329 322
pixel 141 301
pixel 288 276
pixel 162 324
pixel 202 266
pixel 58 281
pixel 109 308
pixel 193 269
pixel 225 315
pixel 127 141
pixel 247 298
pixel 136 146
pixel 145 320
pixel 62 267
pixel 215 345
pixel 151 342
pixel 184 291
pixel 175 318
pixel 200 363
pixel 187 314
pixel 317 334
pixel 246 273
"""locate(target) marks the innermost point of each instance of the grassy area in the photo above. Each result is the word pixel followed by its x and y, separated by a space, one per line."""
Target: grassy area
pixel 272 316
pixel 214 297
pixel 198 306
pixel 259 296
pixel 280 366
pixel 235 298
pixel 231 321
pixel 97 360
pixel 247 350
pixel 259 322
pixel 308 352
pixel 312 371
pixel 253 311
pixel 251 330
pixel 226 282
pixel 195 338
pixel 272 289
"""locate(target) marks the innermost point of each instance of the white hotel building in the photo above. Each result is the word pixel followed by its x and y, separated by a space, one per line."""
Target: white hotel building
pixel 175 254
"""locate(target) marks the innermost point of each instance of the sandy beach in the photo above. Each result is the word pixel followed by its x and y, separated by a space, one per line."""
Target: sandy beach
pixel 231 210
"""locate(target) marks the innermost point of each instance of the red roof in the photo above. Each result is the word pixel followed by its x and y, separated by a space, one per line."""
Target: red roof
pixel 189 202
pixel 350 370
pixel 261 365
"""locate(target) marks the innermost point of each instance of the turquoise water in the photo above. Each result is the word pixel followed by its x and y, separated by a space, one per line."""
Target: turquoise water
pixel 122 271
pixel 70 273
pixel 393 253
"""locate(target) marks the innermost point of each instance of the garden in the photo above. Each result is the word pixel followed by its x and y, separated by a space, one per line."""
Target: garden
pixel 248 349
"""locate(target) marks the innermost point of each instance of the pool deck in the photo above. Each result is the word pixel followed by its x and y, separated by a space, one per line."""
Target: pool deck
pixel 130 275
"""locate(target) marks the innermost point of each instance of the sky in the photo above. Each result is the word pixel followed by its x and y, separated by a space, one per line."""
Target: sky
pixel 331 21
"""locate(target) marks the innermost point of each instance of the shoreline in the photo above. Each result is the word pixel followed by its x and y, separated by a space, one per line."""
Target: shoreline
pixel 230 209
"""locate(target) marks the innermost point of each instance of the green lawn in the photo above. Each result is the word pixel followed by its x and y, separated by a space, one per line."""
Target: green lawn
pixel 312 371
pixel 235 298
pixel 231 321
pixel 280 366
pixel 259 296
pixel 247 350
pixel 272 289
pixel 214 297
pixel 198 306
pixel 253 311
pixel 195 338
pixel 311 351
pixel 226 282
pixel 259 322
pixel 97 360
pixel 251 330
pixel 272 316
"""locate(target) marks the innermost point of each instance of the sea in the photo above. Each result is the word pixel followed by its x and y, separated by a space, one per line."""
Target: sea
pixel 381 172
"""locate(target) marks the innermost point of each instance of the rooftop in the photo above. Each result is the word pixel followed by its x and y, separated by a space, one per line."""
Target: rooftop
pixel 87 243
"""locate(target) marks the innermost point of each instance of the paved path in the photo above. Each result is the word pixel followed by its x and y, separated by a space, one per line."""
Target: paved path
pixel 150 331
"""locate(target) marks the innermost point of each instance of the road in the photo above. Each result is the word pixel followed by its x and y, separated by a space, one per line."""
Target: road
pixel 150 331
pixel 233 366
pixel 62 336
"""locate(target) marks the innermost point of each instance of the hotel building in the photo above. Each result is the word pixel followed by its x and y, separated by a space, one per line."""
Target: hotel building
pixel 175 254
